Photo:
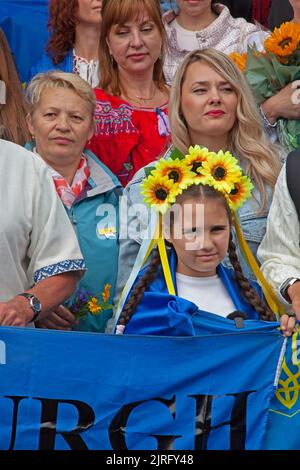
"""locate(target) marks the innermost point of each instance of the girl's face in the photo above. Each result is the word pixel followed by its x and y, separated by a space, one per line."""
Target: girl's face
pixel 201 241
pixel 89 11
pixel 135 45
pixel 194 7
pixel 208 102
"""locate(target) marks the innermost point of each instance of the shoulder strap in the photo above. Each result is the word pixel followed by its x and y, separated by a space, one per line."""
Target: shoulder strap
pixel 293 178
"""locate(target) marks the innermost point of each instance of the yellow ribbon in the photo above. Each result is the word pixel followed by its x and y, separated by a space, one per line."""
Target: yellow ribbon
pixel 164 258
pixel 137 266
pixel 269 294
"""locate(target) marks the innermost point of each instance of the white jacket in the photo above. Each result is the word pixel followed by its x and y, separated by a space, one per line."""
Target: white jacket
pixel 279 251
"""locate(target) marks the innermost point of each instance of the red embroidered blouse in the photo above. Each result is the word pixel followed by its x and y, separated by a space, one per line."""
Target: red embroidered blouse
pixel 128 138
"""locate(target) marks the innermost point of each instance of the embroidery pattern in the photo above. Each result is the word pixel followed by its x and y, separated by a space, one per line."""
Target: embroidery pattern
pixel 59 268
pixel 111 120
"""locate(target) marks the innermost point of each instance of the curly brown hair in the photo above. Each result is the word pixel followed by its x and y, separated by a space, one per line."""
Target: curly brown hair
pixel 62 26
pixel 13 125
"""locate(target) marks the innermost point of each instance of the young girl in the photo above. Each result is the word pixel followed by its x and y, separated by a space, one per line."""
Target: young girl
pixel 214 188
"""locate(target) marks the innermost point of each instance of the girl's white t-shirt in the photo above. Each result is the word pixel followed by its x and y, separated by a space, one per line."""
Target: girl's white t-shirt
pixel 187 40
pixel 208 293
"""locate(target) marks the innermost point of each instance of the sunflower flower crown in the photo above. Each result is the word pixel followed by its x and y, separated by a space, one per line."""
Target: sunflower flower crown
pixel 172 176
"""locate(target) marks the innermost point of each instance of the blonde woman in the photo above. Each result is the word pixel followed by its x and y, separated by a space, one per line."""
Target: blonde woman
pixel 209 24
pixel 211 105
pixel 245 138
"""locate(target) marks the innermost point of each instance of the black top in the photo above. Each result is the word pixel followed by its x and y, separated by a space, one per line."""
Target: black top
pixel 280 11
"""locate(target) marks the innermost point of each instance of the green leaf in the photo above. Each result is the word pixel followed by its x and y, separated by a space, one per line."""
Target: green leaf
pixel 266 75
pixel 148 170
pixel 289 133
pixel 176 154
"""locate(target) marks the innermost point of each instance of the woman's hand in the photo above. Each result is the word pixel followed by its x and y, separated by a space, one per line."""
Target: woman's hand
pixel 60 319
pixel 285 104
pixel 287 324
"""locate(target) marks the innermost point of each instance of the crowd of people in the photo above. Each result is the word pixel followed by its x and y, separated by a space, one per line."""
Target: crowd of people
pixel 121 84
pixel 135 107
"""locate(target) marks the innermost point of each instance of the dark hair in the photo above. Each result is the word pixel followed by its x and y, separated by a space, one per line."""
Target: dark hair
pixel 13 125
pixel 118 12
pixel 138 292
pixel 62 27
pixel 250 294
pixel 248 291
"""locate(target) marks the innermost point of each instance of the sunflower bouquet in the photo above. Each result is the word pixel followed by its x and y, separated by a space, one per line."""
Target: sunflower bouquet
pixel 86 303
pixel 171 176
pixel 269 71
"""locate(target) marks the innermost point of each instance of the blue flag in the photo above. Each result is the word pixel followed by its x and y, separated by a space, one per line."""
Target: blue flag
pixel 283 430
pixel 25 26
pixel 69 390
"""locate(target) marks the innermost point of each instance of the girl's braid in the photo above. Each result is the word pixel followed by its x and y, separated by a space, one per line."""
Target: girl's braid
pixel 249 292
pixel 138 292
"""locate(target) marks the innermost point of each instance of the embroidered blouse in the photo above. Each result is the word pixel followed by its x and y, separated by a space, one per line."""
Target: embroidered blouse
pixel 225 33
pixel 128 138
pixel 34 224
pixel 87 70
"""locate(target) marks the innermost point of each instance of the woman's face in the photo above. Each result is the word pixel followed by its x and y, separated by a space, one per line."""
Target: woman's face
pixel 61 124
pixel 194 7
pixel 208 103
pixel 89 11
pixel 201 241
pixel 135 45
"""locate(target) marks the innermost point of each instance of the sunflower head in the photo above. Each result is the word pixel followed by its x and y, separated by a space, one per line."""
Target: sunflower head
pixel 176 170
pixel 284 41
pixel 240 193
pixel 195 158
pixel 159 192
pixel 224 171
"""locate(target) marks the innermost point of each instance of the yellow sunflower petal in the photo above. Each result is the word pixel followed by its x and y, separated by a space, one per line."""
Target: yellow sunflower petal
pixel 240 60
